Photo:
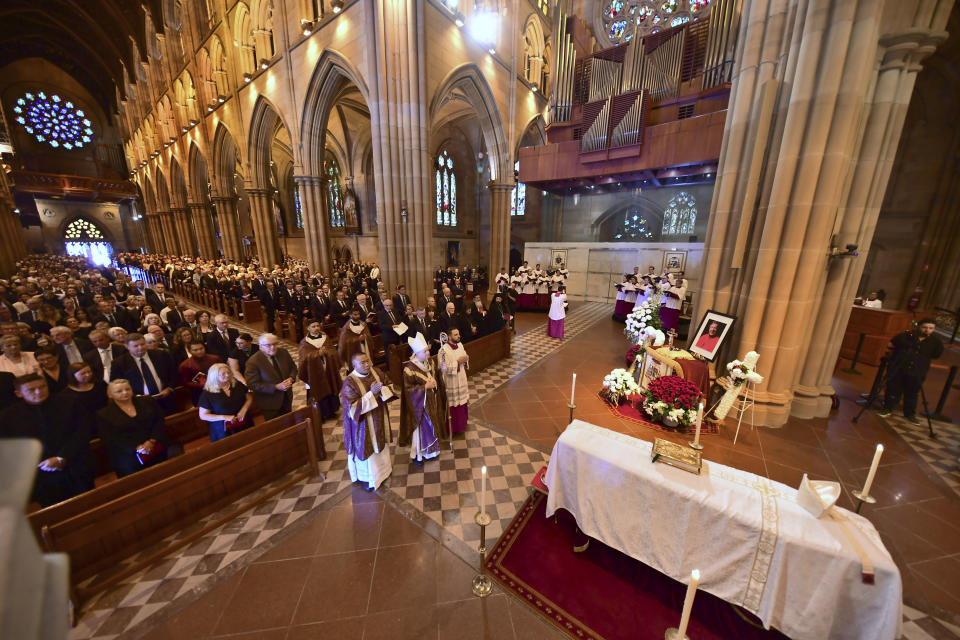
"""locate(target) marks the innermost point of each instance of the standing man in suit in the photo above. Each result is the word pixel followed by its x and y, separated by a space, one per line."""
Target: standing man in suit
pixel 222 341
pixel 70 349
pixel 339 310
pixel 156 297
pixel 270 374
pixel 103 354
pixel 388 319
pixel 150 373
pixel 401 299
pixel 270 300
pixel 320 304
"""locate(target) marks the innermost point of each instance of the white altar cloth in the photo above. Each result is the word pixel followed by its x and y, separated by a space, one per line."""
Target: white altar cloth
pixel 753 544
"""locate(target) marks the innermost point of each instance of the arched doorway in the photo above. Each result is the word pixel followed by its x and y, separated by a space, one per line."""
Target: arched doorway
pixel 82 237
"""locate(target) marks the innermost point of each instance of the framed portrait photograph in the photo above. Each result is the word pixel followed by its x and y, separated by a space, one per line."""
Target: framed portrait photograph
pixel 711 333
pixel 674 261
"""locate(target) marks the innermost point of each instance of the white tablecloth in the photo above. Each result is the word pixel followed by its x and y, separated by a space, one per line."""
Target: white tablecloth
pixel 753 544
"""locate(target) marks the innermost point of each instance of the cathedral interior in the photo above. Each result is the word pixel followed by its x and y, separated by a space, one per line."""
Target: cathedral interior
pixel 788 158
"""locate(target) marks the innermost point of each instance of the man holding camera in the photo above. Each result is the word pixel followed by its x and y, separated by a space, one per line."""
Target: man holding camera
pixel 907 366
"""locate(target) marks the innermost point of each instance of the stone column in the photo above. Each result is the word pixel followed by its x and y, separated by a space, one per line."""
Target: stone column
pixel 402 170
pixel 12 247
pixel 229 226
pixel 203 223
pixel 264 227
pixel 168 235
pixel 499 225
pixel 188 238
pixel 766 258
pixel 314 222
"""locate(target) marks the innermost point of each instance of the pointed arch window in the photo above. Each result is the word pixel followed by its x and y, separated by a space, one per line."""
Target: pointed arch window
pixel 518 197
pixel 83 238
pixel 446 191
pixel 634 226
pixel 297 207
pixel 334 194
pixel 680 217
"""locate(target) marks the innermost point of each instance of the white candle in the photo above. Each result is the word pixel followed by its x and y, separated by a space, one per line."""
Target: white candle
pixel 688 603
pixel 696 438
pixel 483 490
pixel 873 470
pixel 573 388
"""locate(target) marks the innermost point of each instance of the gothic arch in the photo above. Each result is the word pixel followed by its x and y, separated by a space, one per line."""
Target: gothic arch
pixel 536 130
pixel 467 84
pixel 70 219
pixel 198 175
pixel 178 185
pixel 330 76
pixel 224 161
pixel 163 193
pixel 263 127
pixel 601 229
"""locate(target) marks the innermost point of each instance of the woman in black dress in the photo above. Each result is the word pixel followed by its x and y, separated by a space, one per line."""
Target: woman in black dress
pixel 131 428
pixel 240 354
pixel 88 390
pixel 52 368
pixel 224 403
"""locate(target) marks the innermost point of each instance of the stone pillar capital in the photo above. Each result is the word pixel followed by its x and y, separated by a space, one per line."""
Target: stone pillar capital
pixel 307 180
pixel 500 186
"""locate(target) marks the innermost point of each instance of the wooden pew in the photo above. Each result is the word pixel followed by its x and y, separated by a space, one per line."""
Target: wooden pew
pixel 252 311
pixel 100 528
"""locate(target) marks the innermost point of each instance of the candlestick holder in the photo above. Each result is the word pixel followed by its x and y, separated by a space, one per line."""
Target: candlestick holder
pixel 482 584
pixel 571 406
pixel 674 634
pixel 695 445
pixel 861 498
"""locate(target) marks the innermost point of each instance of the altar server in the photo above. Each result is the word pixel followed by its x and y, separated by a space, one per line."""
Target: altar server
pixel 454 363
pixel 366 423
pixel 674 293
pixel 423 406
pixel 557 313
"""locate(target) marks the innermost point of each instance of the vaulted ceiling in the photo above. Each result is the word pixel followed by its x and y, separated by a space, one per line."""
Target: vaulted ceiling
pixel 86 38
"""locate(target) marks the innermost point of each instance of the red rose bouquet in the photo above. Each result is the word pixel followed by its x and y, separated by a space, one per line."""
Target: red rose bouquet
pixel 673 399
pixel 633 352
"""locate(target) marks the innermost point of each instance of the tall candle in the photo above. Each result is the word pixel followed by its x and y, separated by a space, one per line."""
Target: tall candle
pixel 688 603
pixel 696 438
pixel 573 388
pixel 873 470
pixel 483 490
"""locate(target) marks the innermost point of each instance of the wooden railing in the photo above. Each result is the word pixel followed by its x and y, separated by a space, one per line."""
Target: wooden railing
pixel 483 352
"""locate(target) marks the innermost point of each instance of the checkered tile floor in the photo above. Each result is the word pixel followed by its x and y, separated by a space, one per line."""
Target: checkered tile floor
pixel 942 454
pixel 441 495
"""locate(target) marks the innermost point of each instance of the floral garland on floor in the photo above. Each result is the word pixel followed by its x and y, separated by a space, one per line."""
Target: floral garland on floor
pixel 617 385
pixel 673 399
pixel 740 371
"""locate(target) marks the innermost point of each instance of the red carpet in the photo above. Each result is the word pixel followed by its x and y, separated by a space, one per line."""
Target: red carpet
pixel 602 594
pixel 638 416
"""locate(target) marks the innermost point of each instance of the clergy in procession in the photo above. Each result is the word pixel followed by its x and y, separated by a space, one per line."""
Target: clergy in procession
pixel 319 366
pixel 366 422
pixel 423 405
pixel 454 363
pixel 354 337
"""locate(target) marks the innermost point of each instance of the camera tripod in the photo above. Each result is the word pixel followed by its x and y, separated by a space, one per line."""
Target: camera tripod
pixel 880 382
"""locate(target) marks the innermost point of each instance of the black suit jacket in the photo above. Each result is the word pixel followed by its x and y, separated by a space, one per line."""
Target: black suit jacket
pixel 153 299
pixel 386 326
pixel 262 376
pixel 216 346
pixel 339 311
pixel 399 303
pixel 319 307
pixel 126 367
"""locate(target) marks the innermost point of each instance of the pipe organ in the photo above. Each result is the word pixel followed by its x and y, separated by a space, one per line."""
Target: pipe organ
pixel 607 96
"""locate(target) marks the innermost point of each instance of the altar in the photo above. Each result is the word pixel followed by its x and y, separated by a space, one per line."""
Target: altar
pixel 754 545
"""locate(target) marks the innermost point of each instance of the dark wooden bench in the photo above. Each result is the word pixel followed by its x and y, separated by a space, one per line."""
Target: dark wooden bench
pixel 100 528
pixel 252 311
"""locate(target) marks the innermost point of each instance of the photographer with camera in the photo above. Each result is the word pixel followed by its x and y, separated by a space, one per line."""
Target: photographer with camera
pixel 909 361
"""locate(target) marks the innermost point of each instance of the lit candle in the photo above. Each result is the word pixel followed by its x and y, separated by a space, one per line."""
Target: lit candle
pixel 873 470
pixel 483 490
pixel 688 603
pixel 573 388
pixel 696 438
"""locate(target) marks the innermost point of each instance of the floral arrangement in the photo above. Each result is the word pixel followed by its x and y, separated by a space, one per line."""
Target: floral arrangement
pixel 642 320
pixel 634 352
pixel 740 371
pixel 673 399
pixel 619 384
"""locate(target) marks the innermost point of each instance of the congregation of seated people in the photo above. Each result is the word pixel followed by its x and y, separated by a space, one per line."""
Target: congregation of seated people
pixel 94 353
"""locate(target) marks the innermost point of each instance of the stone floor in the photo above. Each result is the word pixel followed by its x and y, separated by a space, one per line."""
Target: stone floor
pixel 398 563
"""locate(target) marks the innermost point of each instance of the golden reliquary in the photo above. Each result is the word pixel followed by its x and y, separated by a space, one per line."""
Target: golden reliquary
pixel 677 455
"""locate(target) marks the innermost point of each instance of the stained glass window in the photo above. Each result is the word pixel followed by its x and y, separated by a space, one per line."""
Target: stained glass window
pixel 624 19
pixel 518 197
pixel 83 238
pixel 446 191
pixel 54 120
pixel 297 208
pixel 633 227
pixel 680 217
pixel 334 198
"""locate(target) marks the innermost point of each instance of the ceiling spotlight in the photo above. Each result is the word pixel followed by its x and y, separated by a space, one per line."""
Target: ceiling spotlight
pixel 337 6
pixel 492 51
pixel 307 26
pixel 184 129
pixel 459 20
pixel 171 139
pixel 221 99
pixel 210 107
pixel 246 77
pixel 193 123
pixel 534 87
pixel 263 63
